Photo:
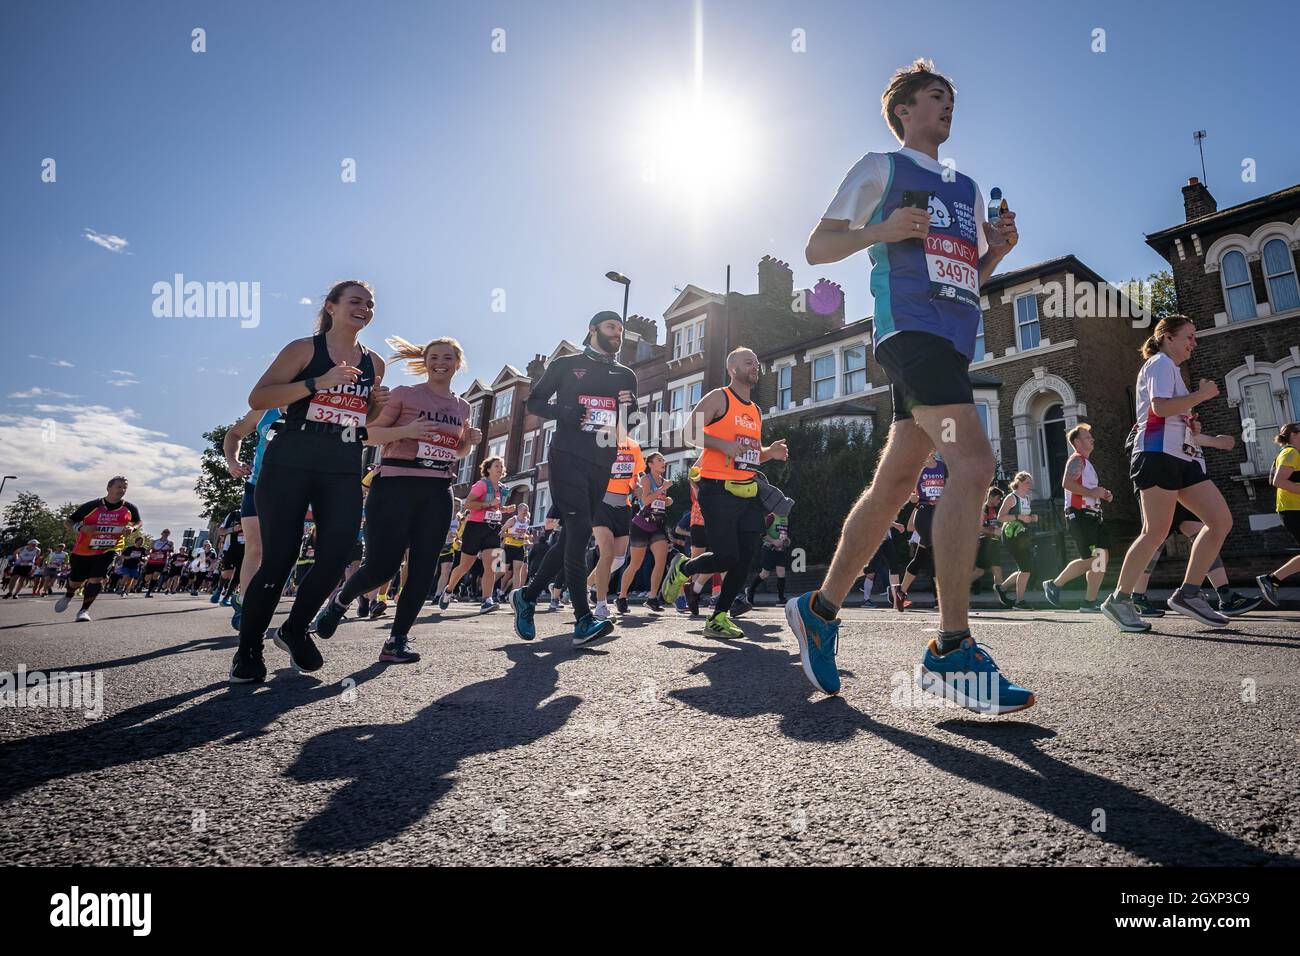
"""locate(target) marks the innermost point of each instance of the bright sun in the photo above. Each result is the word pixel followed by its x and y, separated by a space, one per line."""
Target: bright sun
pixel 696 147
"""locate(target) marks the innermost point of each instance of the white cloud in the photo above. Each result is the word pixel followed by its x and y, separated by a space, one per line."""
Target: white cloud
pixel 228 371
pixel 38 392
pixel 121 382
pixel 304 301
pixel 57 363
pixel 122 371
pixel 111 243
pixel 73 450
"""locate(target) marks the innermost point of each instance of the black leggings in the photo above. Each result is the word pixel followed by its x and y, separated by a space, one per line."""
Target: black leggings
pixel 403 512
pixel 735 527
pixel 577 487
pixel 282 494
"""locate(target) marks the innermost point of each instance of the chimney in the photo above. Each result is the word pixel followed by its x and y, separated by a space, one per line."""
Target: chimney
pixel 536 367
pixel 1197 201
pixel 646 328
pixel 775 280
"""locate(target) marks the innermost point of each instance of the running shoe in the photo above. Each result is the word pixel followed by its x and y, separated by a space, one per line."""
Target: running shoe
pixel 655 604
pixel 225 600
pixel 1145 607
pixel 378 609
pixel 1124 615
pixel 1022 606
pixel 487 605
pixel 363 607
pixel 1267 588
pixel 61 604
pixel 740 606
pixel 681 605
pixel 1002 595
pixel 621 604
pixel 554 605
pixel 600 612
pixel 748 595
pixel 444 601
pixel 1238 604
pixel 523 609
pixel 248 666
pixel 327 621
pixel 674 580
pixel 148 594
pixel 1090 607
pixel 216 598
pixel 897 598
pixel 1053 593
pixel 300 648
pixel 1197 608
pixel 721 625
pixel 818 640
pixel 397 650
pixel 692 600
pixel 970 678
pixel 589 629
pixel 83 616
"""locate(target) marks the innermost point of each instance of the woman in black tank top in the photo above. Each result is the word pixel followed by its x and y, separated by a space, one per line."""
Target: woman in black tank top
pixel 330 386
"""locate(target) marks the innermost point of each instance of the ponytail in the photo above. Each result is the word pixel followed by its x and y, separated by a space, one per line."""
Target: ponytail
pixel 1166 327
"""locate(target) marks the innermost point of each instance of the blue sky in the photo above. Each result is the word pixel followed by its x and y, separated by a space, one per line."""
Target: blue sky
pixel 534 171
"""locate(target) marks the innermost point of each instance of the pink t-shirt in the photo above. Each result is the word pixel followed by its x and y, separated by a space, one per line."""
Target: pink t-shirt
pixel 491 514
pixel 437 458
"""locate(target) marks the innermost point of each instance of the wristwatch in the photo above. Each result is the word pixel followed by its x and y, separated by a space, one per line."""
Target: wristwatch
pixel 311 385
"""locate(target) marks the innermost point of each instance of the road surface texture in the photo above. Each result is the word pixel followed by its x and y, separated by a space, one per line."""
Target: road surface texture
pixel 660 746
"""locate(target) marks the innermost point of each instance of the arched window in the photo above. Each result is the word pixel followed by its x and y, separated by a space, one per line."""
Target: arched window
pixel 1237 290
pixel 1279 276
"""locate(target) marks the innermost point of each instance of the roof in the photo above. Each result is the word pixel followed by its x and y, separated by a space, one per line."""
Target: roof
pixel 984 380
pixel 1066 263
pixel 1226 218
pixel 848 331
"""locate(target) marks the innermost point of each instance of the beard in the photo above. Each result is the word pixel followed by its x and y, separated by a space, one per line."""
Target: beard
pixel 606 343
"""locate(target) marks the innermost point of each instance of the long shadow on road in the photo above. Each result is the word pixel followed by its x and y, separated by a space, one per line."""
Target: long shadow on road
pixel 397 771
pixel 746 681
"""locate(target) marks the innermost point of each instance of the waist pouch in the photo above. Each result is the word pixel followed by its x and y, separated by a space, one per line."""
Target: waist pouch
pixel 742 489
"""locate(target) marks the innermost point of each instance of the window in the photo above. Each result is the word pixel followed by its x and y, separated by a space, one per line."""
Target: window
pixel 466 474
pixel 1279 276
pixel 656 423
pixel 476 414
pixel 979 341
pixel 688 339
pixel 547 435
pixel 823 378
pixel 526 460
pixel 1028 332
pixel 784 390
pixel 1237 290
pixel 855 369
pixel 497 449
pixel 1293 389
pixel 501 407
pixel 983 409
pixel 676 411
pixel 1258 405
pixel 694 393
pixel 543 504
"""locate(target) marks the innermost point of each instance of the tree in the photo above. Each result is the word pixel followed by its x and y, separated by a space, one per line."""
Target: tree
pixel 1164 296
pixel 219 492
pixel 28 517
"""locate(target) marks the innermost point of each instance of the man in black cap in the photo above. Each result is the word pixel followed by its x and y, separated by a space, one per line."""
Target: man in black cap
pixel 589 391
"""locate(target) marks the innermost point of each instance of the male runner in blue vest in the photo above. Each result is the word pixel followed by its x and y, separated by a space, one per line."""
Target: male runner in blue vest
pixel 931 246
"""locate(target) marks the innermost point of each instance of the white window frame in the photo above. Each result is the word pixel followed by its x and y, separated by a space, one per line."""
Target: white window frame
pixel 548 433
pixel 981 348
pixel 526 458
pixel 503 442
pixel 1268 283
pixel 1249 285
pixel 1260 454
pixel 465 475
pixel 844 359
pixel 1022 325
pixel 541 503
pixel 497 411
pixel 833 378
pixel 784 387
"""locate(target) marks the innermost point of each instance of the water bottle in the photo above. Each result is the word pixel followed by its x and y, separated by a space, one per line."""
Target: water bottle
pixel 995 205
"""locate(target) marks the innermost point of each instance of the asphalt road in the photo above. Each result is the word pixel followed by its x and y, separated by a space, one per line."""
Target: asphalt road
pixel 661 746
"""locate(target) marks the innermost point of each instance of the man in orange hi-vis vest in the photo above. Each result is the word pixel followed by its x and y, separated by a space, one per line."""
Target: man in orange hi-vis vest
pixel 732 433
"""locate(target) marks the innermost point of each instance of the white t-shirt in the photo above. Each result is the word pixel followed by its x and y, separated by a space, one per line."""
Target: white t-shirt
pixel 864 187
pixel 1160 378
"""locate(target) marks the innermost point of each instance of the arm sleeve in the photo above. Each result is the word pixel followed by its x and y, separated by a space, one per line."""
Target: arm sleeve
pixel 1164 379
pixel 860 193
pixel 539 398
pixel 81 513
pixel 135 512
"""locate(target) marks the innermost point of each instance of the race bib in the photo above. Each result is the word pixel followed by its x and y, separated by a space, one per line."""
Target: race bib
pixel 441 448
pixel 952 264
pixel 1024 506
pixel 335 408
pixel 750 452
pixel 99 543
pixel 492 517
pixel 622 467
pixel 658 505
pixel 602 412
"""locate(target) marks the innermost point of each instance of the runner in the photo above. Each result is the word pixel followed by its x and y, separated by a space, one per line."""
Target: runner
pixel 1286 479
pixel 1083 515
pixel 132 555
pixel 425 432
pixel 1228 601
pixel 54 564
pixel 728 492
pixel 590 390
pixel 481 539
pixel 99 525
pixel 612 525
pixel 517 539
pixel 1167 469
pixel 258 422
pixel 448 555
pixel 1016 516
pixel 232 557
pixel 647 531
pixel 989 557
pixel 927 267
pixel 329 386
pixel 889 561
pixel 158 563
pixel 776 557
pixel 306 560
pixel 25 559
pixel 929 489
pixel 699 541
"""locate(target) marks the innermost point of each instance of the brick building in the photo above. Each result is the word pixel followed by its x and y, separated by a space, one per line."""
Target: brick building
pixel 1235 275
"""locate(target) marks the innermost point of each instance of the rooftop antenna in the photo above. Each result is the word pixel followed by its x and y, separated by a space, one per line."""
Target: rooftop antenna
pixel 1199 138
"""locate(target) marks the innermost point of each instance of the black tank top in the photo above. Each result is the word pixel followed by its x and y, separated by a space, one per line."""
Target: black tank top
pixel 312 434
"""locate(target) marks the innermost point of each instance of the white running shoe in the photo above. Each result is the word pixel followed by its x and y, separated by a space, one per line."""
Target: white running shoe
pixel 83 615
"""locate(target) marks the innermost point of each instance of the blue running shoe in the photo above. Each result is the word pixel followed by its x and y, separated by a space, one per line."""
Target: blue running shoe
pixel 818 641
pixel 523 609
pixel 225 601
pixel 591 628
pixel 969 677
pixel 235 618
pixel 327 621
pixel 216 596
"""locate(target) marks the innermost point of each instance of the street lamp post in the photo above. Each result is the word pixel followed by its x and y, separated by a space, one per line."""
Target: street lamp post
pixel 626 283
pixel 3 480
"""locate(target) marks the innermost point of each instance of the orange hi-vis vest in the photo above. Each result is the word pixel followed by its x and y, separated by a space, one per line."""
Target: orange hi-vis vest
pixel 628 464
pixel 743 424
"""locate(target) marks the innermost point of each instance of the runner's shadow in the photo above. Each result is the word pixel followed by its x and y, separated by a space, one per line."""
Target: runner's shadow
pixel 106 618
pixel 202 644
pixel 1275 641
pixel 394 773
